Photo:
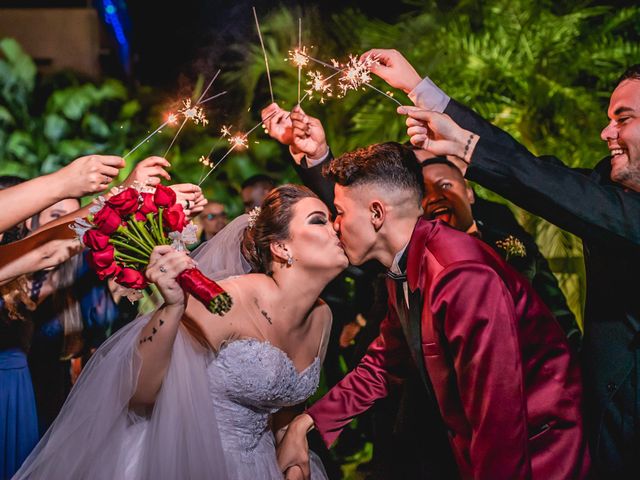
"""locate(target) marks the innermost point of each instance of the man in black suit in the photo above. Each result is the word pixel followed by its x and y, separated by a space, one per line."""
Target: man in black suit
pixel 602 206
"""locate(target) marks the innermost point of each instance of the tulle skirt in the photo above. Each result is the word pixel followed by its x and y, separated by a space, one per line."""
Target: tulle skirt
pixel 260 463
pixel 18 419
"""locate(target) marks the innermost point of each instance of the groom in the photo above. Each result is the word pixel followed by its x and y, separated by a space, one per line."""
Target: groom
pixel 487 349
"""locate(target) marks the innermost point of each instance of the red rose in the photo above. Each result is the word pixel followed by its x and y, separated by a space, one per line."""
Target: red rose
pixel 147 204
pixel 164 197
pixel 95 239
pixel 128 277
pixel 102 258
pixel 139 217
pixel 126 202
pixel 174 218
pixel 107 220
pixel 103 263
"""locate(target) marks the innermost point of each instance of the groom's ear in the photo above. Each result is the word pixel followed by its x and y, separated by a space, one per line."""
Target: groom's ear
pixel 378 213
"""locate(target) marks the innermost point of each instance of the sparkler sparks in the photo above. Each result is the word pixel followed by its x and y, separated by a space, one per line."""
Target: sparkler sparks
pixel 194 113
pixel 204 161
pixel 356 73
pixel 318 84
pixel 236 141
pixel 225 131
pixel 239 141
pixel 299 57
pixel 189 112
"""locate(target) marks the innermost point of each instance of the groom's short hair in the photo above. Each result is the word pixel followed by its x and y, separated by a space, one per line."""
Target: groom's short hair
pixel 389 164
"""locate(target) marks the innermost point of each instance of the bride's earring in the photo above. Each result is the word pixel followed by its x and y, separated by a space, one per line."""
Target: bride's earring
pixel 289 260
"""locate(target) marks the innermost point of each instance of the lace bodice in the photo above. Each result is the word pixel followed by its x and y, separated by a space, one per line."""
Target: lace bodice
pixel 250 379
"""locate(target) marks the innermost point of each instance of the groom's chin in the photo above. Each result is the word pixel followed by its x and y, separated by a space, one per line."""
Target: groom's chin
pixel 355 260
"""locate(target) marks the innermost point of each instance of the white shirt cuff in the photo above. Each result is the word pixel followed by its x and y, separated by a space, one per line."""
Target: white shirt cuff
pixel 428 96
pixel 311 162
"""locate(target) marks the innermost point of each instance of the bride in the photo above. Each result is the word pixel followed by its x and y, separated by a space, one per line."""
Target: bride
pixel 183 393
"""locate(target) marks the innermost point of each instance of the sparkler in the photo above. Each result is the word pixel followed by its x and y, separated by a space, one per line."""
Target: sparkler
pixel 299 48
pixel 264 52
pixel 299 57
pixel 189 112
pixel 171 120
pixel 355 73
pixel 237 141
pixel 317 83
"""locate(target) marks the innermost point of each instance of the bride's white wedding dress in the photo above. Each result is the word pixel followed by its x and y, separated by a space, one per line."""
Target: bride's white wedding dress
pixel 249 380
pixel 211 415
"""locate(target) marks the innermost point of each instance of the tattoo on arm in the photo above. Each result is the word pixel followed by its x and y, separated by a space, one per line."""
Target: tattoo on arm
pixel 154 330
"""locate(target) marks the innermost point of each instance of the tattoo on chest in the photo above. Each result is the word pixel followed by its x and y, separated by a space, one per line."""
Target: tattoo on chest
pixel 263 312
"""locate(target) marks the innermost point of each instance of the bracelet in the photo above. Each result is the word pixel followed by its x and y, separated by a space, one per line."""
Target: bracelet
pixel 466 148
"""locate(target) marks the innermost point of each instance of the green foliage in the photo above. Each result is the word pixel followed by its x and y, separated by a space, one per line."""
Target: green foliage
pixel 540 70
pixel 46 123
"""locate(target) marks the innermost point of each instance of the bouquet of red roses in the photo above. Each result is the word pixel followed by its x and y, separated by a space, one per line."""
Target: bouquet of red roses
pixel 122 231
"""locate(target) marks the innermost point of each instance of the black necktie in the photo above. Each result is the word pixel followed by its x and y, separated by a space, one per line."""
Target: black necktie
pixel 402 265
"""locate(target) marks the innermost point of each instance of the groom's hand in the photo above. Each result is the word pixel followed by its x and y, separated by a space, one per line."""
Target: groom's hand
pixel 294 450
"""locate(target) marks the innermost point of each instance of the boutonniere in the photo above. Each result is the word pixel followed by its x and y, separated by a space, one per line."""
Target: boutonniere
pixel 512 247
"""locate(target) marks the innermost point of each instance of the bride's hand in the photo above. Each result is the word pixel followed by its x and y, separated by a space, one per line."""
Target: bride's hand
pixel 165 264
pixel 294 473
pixel 293 450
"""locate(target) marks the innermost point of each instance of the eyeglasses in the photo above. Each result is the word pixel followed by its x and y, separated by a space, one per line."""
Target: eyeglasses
pixel 213 216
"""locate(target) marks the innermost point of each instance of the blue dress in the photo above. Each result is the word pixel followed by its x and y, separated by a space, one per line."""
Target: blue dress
pixel 18 420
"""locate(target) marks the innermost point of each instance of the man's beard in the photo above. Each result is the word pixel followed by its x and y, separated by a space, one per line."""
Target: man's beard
pixel 629 176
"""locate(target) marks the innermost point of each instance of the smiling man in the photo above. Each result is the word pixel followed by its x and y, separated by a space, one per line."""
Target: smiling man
pixel 601 206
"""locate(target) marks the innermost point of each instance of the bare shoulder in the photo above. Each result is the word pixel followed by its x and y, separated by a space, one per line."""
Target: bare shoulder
pixel 250 282
pixel 321 312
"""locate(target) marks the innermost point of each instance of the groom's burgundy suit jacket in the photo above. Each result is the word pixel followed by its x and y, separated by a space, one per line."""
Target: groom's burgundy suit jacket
pixel 498 363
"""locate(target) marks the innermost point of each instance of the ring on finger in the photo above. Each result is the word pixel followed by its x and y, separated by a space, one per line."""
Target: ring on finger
pixel 188 204
pixel 162 269
pixel 107 179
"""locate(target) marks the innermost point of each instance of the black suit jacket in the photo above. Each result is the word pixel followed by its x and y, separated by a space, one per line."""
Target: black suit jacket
pixel 607 218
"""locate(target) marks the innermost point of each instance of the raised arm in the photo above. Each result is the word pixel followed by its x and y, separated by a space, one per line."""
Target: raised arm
pixel 156 339
pixel 84 176
pixel 308 146
pixel 542 185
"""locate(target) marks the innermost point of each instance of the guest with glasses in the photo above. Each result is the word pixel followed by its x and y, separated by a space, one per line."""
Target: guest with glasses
pixel 213 219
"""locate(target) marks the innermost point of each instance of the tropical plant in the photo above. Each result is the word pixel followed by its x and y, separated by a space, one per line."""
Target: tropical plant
pixel 541 71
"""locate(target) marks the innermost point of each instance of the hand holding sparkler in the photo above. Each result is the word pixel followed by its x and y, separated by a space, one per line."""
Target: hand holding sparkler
pixel 439 134
pixel 190 197
pixel 393 68
pixel 277 123
pixel 148 172
pixel 308 135
pixel 88 175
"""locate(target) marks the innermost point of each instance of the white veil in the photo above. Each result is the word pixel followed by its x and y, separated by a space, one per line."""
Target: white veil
pixel 96 436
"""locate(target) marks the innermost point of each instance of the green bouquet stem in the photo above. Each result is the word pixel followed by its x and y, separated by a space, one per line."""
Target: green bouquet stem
pixel 128 258
pixel 131 235
pixel 129 247
pixel 160 229
pixel 140 229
